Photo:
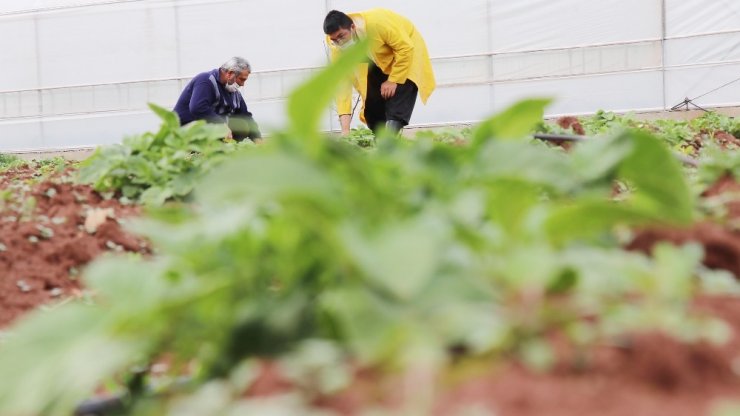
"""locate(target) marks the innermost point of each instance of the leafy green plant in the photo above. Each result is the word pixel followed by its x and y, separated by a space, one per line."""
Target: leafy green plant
pixel 154 167
pixel 716 163
pixel 673 132
pixel 10 162
pixel 452 136
pixel 713 121
pixel 391 258
pixel 362 137
pixel 606 122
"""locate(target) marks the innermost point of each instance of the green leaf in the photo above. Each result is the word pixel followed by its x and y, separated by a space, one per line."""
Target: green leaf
pixel 662 189
pixel 525 162
pixel 510 203
pixel 156 196
pixel 127 284
pixel 516 122
pixel 60 358
pixel 263 177
pixel 564 282
pixel 375 327
pixel 308 102
pixel 183 184
pixel 401 258
pixel 170 118
pixel 598 159
pixel 589 219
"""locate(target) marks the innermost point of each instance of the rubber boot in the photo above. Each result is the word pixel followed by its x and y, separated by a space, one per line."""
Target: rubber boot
pixel 394 126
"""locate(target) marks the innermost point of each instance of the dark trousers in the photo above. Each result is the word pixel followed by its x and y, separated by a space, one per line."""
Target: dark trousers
pixel 378 110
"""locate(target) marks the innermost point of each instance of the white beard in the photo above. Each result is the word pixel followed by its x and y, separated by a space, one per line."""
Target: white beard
pixel 232 87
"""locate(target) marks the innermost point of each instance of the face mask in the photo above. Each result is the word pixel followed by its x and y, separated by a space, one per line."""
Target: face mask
pixel 232 87
pixel 348 44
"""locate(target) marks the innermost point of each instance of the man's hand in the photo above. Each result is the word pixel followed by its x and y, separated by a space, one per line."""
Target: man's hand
pixel 388 89
pixel 229 135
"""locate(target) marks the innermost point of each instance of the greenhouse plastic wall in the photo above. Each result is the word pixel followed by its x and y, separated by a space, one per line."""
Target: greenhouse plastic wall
pixel 80 73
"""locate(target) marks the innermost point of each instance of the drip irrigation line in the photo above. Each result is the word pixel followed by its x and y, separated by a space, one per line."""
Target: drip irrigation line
pixel 690 101
pixel 572 138
pixel 101 407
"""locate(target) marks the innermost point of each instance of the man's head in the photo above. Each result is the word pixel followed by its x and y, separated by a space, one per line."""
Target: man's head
pixel 340 28
pixel 234 73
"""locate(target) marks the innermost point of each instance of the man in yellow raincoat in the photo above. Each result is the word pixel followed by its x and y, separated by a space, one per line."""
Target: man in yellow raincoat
pixel 399 69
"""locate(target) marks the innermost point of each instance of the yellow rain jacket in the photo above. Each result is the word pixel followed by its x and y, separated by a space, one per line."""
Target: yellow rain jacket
pixel 396 47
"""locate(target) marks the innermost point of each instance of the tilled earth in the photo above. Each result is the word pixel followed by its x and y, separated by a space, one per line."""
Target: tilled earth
pixel 50 228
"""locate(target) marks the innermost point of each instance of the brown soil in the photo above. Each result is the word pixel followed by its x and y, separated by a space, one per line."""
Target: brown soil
pixel 726 140
pixel 45 246
pixel 696 144
pixel 721 243
pixel 574 125
pixel 651 375
pixel 721 246
pixel 727 185
pixel 644 374
pixel 571 123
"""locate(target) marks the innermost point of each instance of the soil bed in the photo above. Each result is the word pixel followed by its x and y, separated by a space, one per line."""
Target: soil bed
pixel 45 243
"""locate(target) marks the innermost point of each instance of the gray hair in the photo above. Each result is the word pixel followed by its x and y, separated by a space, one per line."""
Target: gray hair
pixel 236 64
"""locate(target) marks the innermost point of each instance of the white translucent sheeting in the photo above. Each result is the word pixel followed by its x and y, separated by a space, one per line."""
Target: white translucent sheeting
pixel 543 24
pixel 106 45
pixel 462 104
pixel 706 49
pixel 21 6
pixel 21 134
pixel 20 104
pixel 81 72
pixel 692 17
pixel 274 85
pixel 450 28
pixel 577 61
pixel 471 103
pixel 77 131
pixel 132 96
pixel 617 92
pixel 105 98
pixel 693 82
pixel 271 35
pixel 18 60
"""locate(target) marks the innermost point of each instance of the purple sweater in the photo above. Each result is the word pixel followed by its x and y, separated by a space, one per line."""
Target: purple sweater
pixel 204 98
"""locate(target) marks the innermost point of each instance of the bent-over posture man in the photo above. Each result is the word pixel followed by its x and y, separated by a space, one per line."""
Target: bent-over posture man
pixel 214 96
pixel 399 69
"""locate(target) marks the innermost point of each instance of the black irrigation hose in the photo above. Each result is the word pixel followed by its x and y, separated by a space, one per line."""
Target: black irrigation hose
pixel 559 137
pixel 101 407
pixel 571 138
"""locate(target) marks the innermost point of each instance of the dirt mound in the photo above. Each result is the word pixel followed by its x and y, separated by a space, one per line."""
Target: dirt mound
pixel 721 243
pixel 571 123
pixel 726 140
pixel 44 241
pixel 728 186
pixel 648 374
pixel 721 246
pixel 641 374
